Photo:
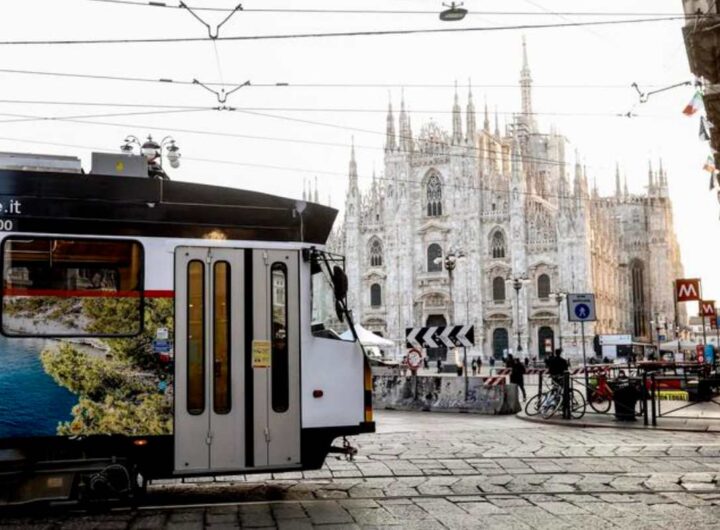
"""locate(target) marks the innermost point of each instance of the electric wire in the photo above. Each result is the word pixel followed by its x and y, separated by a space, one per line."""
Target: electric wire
pixel 17 118
pixel 319 85
pixel 333 34
pixel 385 11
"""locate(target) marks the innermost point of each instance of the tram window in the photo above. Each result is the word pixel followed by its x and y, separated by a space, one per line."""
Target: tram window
pixel 196 337
pixel 221 337
pixel 71 287
pixel 325 323
pixel 279 330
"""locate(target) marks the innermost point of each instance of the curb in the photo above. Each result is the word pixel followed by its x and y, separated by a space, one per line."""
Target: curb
pixel 636 425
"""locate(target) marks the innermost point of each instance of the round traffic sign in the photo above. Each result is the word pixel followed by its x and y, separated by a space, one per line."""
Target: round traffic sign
pixel 582 311
pixel 414 359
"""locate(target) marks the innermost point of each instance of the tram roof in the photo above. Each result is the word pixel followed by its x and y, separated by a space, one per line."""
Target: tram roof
pixel 133 206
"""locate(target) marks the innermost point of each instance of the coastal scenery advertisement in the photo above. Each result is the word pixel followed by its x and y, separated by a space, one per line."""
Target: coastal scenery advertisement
pixel 84 386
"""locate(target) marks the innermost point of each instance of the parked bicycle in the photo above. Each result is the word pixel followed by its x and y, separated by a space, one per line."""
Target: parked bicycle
pixel 549 402
pixel 601 397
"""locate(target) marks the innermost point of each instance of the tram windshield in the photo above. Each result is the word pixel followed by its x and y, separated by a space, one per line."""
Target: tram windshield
pixel 326 318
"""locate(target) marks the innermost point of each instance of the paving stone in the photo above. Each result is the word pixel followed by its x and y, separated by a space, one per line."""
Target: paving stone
pixel 327 513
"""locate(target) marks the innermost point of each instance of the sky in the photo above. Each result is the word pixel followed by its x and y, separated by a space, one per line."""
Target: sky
pixel 281 136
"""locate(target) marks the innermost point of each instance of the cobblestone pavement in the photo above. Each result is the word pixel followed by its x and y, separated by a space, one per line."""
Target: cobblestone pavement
pixel 424 471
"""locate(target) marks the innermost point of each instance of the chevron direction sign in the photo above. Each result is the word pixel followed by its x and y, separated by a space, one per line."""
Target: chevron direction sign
pixel 439 336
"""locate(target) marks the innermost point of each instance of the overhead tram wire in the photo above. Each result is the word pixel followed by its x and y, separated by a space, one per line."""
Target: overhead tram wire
pixel 368 33
pixel 317 171
pixel 313 85
pixel 383 11
pixel 21 118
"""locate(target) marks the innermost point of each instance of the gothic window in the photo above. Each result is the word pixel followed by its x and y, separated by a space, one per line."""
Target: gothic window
pixel 543 286
pixel 433 192
pixel 498 289
pixel 637 276
pixel 497 245
pixel 500 342
pixel 434 258
pixel 375 295
pixel 376 257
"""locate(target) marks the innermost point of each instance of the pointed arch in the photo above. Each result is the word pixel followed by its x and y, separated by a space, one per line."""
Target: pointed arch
pixel 498 289
pixel 434 258
pixel 375 252
pixel 375 295
pixel 543 287
pixel 433 194
pixel 497 244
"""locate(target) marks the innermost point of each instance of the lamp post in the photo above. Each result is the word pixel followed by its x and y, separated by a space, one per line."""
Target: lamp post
pixel 559 296
pixel 517 284
pixel 450 262
pixel 152 151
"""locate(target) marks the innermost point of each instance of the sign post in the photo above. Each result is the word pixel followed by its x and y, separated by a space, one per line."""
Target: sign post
pixel 581 308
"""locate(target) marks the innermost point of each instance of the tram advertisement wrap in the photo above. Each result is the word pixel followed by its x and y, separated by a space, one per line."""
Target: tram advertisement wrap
pixel 86 386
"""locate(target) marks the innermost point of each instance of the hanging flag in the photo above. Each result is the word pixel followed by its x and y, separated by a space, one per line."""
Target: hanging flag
pixel 710 165
pixel 704 133
pixel 696 104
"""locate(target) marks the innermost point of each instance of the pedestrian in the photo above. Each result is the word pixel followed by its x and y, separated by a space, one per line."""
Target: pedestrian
pixel 509 361
pixel 404 366
pixel 492 364
pixel 439 365
pixel 557 366
pixel 426 362
pixel 517 376
pixel 473 365
pixel 479 365
pixel 527 362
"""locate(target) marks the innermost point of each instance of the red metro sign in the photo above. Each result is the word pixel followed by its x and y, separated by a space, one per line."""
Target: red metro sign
pixel 687 290
pixel 707 308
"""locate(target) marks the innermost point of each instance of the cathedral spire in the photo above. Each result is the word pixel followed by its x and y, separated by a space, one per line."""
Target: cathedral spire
pixel 651 179
pixel 402 130
pixel 486 123
pixel 625 189
pixel 470 115
pixel 304 195
pixel 352 173
pixel 316 197
pixel 497 123
pixel 578 184
pixel 662 175
pixel 618 190
pixel 390 132
pixel 457 120
pixel 526 91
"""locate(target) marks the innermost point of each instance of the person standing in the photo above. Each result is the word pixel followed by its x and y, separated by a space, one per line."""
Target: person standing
pixel 492 364
pixel 517 376
pixel 439 365
pixel 479 365
pixel 473 365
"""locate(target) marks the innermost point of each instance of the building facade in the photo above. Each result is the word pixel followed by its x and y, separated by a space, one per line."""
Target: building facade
pixel 514 207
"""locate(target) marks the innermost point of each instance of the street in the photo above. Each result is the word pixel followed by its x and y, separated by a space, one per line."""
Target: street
pixel 429 471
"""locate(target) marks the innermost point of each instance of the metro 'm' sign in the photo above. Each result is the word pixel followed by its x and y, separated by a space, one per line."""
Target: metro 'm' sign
pixel 707 308
pixel 687 290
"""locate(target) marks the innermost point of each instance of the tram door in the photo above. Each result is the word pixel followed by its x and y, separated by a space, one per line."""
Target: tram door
pixel 209 359
pixel 276 358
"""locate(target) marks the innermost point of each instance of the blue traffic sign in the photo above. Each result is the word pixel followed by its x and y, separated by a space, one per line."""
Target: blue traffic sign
pixel 581 307
pixel 582 311
pixel 162 346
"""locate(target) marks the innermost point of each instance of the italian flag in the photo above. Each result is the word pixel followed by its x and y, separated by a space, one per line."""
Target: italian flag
pixel 709 164
pixel 696 103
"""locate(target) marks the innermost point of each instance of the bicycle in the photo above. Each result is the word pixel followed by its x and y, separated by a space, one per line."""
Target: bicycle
pixel 601 397
pixel 548 403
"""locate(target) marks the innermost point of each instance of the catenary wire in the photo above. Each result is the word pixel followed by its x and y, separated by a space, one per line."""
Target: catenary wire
pixel 333 34
pixel 382 11
pixel 320 85
pixel 329 173
pixel 16 118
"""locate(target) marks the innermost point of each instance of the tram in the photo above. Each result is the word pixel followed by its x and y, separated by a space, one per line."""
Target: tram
pixel 156 329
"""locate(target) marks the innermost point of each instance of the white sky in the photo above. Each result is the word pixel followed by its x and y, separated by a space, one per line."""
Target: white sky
pixel 649 54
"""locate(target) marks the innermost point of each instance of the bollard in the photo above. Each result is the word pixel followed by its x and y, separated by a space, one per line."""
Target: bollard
pixel 566 396
pixel 652 398
pixel 645 395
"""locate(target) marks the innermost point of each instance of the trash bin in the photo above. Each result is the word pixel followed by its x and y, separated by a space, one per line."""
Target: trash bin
pixel 625 396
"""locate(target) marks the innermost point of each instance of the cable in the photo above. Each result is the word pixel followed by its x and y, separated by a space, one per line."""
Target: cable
pixel 312 171
pixel 385 11
pixel 29 117
pixel 315 85
pixel 369 33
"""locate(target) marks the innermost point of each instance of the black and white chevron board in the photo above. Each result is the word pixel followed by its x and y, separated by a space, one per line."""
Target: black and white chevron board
pixel 439 336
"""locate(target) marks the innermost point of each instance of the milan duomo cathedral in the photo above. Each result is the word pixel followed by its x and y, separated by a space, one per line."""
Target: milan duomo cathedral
pixel 504 206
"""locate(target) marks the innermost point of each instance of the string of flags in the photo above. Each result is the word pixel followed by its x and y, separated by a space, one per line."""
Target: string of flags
pixel 694 106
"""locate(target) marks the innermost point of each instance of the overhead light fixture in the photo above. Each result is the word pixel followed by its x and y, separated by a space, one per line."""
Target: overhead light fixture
pixel 453 13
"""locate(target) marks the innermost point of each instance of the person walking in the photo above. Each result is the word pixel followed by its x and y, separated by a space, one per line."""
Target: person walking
pixel 479 365
pixel 492 364
pixel 517 376
pixel 473 365
pixel 439 365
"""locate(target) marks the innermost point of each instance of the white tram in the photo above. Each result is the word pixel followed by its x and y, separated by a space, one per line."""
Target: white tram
pixel 155 329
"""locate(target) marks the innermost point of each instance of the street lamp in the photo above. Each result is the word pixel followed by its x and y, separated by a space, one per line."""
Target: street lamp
pixel 453 13
pixel 559 296
pixel 152 151
pixel 517 284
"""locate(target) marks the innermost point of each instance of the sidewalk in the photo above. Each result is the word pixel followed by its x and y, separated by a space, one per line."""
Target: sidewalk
pixel 700 417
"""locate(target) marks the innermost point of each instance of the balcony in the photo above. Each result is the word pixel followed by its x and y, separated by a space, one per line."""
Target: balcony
pixel 702 37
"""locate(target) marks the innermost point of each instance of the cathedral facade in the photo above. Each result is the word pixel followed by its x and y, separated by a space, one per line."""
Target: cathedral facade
pixel 522 228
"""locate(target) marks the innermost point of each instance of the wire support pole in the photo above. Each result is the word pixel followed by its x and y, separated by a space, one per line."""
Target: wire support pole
pixel 212 34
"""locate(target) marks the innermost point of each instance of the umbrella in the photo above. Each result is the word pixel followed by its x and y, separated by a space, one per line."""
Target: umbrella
pixel 367 337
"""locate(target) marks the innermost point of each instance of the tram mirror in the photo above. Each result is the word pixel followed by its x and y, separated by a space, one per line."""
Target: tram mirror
pixel 340 283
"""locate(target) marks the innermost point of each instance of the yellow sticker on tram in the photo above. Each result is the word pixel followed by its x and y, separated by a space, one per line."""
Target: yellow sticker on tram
pixel 261 354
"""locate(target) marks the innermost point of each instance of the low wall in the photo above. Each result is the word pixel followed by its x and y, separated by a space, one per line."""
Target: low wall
pixel 437 393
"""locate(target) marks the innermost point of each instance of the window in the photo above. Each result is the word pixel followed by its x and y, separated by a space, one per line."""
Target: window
pixel 433 191
pixel 221 337
pixel 71 287
pixel 497 245
pixel 279 329
pixel 195 337
pixel 375 295
pixel 543 286
pixel 500 342
pixel 637 276
pixel 434 258
pixel 498 289
pixel 376 258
